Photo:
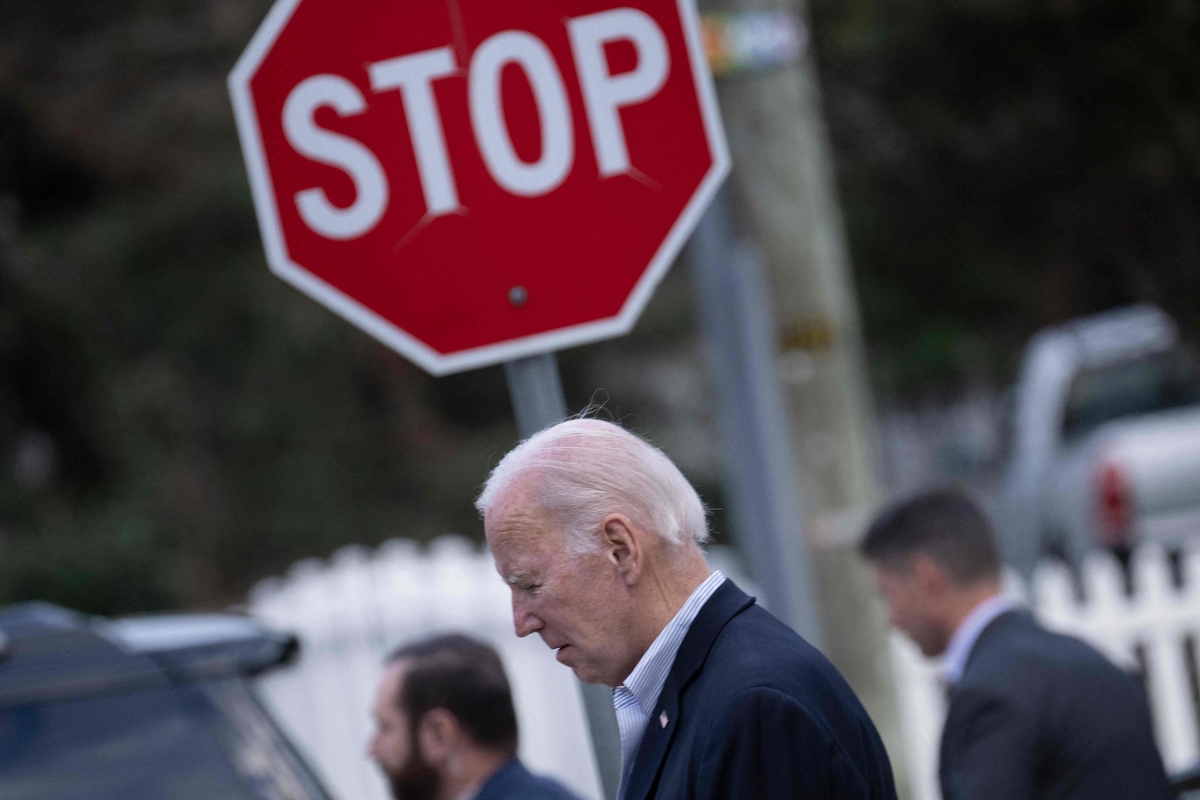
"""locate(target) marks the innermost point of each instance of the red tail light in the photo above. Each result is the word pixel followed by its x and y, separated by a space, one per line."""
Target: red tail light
pixel 1116 506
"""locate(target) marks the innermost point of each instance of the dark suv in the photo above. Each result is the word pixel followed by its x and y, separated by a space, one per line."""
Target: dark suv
pixel 153 708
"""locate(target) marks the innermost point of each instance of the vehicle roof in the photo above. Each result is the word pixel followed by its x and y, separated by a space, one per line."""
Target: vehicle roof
pixel 1121 333
pixel 48 652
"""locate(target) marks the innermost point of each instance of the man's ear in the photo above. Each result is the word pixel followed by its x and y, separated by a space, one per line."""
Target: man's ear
pixel 623 547
pixel 438 736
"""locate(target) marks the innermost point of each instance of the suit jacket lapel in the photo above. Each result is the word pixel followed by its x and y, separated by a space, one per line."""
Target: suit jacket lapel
pixel 989 631
pixel 726 603
pixel 655 742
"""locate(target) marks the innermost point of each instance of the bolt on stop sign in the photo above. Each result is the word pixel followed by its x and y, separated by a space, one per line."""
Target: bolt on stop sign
pixel 473 181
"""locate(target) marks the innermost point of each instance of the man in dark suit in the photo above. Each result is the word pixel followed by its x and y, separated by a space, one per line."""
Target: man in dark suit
pixel 446 728
pixel 1033 715
pixel 598 533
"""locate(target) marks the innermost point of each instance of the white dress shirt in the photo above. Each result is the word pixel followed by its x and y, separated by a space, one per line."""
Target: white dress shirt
pixel 634 699
pixel 954 662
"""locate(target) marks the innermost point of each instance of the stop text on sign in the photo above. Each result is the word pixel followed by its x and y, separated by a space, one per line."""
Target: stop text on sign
pixel 414 75
pixel 472 181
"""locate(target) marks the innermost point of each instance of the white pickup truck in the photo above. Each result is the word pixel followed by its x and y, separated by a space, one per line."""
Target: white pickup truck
pixel 1105 446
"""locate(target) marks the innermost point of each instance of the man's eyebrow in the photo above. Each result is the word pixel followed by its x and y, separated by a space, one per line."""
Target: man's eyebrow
pixel 517 577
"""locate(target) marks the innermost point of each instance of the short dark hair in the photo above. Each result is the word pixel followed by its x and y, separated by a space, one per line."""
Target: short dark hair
pixel 465 677
pixel 944 524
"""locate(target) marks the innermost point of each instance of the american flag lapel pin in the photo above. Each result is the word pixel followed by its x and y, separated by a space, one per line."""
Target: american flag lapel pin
pixel 662 718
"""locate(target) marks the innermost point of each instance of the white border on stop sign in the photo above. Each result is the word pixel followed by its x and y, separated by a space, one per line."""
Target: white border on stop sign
pixel 265 204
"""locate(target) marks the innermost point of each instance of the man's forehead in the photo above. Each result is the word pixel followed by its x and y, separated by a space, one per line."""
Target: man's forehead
pixel 392 680
pixel 518 524
pixel 521 493
pixel 523 545
pixel 889 573
pixel 396 670
pixel 520 544
pixel 518 518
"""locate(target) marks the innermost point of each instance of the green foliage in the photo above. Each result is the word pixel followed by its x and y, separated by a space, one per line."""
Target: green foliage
pixel 101 571
pixel 1008 164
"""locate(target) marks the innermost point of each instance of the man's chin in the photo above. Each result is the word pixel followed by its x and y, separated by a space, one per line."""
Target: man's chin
pixel 931 647
pixel 407 790
pixel 569 657
pixel 413 782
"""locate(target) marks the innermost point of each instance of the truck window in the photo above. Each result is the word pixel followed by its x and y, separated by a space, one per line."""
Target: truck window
pixel 1144 385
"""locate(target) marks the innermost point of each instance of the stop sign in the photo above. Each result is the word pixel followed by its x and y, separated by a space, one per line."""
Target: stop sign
pixel 473 181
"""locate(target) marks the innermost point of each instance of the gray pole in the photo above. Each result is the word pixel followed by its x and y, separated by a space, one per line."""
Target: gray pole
pixel 766 506
pixel 537 400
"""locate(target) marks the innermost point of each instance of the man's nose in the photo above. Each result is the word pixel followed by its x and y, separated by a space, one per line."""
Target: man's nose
pixel 524 620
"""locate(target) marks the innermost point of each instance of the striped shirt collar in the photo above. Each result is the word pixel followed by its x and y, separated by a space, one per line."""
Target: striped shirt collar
pixel 635 698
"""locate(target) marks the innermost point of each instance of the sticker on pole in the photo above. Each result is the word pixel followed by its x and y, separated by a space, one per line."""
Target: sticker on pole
pixel 473 181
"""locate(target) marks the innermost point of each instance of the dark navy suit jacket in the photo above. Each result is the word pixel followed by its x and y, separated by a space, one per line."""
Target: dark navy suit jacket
pixel 514 782
pixel 1041 716
pixel 754 711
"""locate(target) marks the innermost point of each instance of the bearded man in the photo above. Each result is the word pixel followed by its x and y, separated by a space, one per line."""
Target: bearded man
pixel 446 728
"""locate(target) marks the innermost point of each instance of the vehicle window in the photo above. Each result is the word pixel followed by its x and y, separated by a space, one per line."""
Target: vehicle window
pixel 209 741
pixel 1153 383
pixel 147 745
pixel 261 754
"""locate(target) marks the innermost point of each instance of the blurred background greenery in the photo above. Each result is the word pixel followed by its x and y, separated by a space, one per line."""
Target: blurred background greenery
pixel 176 423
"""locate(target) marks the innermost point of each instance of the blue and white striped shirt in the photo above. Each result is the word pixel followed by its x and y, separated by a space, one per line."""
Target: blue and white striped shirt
pixel 635 698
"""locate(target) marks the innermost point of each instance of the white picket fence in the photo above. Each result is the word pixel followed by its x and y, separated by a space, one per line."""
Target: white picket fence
pixel 1152 632
pixel 351 610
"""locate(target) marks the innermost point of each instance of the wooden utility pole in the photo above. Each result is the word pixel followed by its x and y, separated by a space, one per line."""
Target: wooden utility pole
pixel 785 201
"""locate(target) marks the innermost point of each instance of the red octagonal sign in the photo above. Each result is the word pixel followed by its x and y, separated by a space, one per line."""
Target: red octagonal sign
pixel 473 181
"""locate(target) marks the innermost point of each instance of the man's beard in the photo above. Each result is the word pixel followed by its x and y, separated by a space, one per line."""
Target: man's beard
pixel 416 780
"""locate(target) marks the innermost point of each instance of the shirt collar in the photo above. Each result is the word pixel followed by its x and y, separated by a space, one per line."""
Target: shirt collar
pixel 954 662
pixel 646 681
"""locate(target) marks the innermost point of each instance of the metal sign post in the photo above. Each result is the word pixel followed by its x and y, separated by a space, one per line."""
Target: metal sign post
pixel 537 400
pixel 734 311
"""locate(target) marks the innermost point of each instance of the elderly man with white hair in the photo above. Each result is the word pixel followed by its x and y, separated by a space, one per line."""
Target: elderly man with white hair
pixel 598 535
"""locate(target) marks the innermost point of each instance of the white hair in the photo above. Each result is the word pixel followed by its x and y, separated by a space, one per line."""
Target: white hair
pixel 586 469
